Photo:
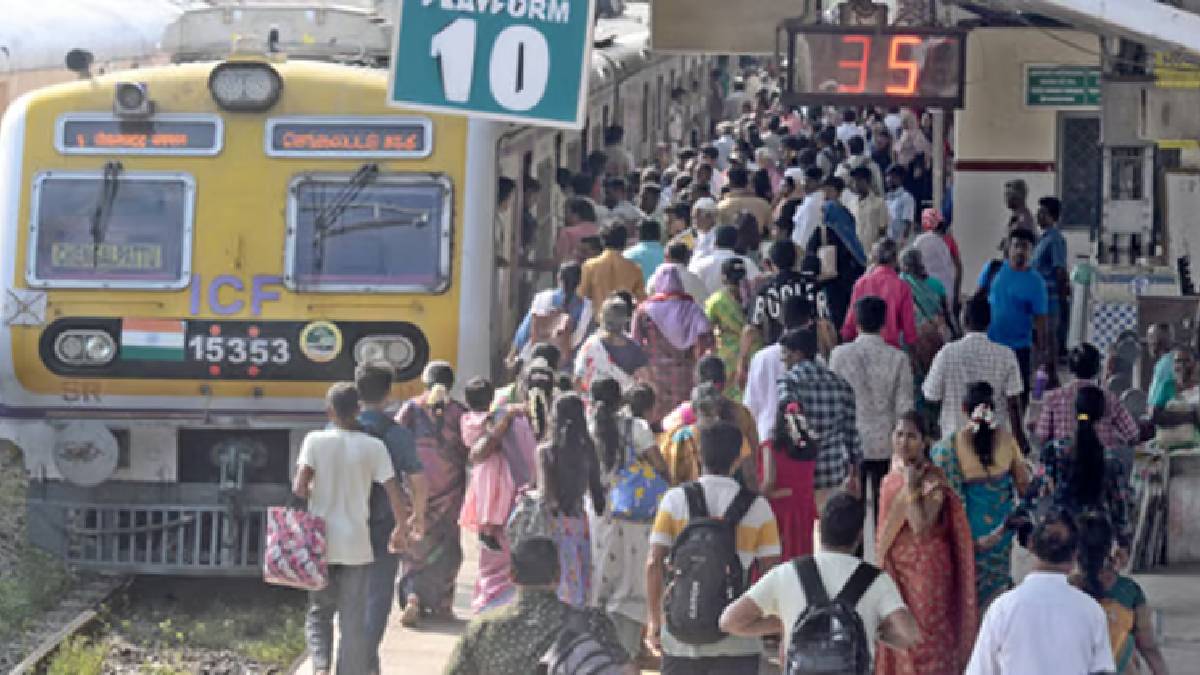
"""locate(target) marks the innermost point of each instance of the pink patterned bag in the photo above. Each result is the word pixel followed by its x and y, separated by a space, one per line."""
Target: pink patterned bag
pixel 295 551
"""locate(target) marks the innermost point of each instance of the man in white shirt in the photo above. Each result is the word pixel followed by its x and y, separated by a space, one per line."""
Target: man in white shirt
pixel 975 358
pixel 773 605
pixel 859 157
pixel 724 144
pixel 849 128
pixel 761 387
pixel 881 377
pixel 810 215
pixel 1045 626
pixel 708 267
pixel 868 209
pixel 893 122
pixel 334 472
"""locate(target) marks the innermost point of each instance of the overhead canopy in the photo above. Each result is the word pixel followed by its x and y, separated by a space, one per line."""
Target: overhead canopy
pixel 1150 22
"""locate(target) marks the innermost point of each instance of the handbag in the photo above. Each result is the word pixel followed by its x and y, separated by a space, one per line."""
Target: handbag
pixel 296 549
pixel 528 520
pixel 637 487
pixel 827 255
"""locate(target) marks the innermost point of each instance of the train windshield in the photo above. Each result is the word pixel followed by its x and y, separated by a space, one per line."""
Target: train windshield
pixel 368 232
pixel 111 229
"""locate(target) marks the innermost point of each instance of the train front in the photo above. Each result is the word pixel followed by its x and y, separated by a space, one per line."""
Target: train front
pixel 191 254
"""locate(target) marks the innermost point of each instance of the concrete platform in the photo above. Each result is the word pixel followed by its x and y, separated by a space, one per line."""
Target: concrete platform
pixel 1174 592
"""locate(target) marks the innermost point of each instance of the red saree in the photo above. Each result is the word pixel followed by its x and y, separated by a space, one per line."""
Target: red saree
pixel 935 572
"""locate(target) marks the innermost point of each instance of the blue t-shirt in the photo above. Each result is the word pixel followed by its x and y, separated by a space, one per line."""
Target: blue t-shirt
pixel 1049 255
pixel 1015 297
pixel 648 255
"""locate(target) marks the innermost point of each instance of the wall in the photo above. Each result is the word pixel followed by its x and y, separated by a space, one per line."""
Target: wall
pixel 997 138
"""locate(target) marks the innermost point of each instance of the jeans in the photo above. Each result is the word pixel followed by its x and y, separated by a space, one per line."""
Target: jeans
pixel 710 665
pixel 345 596
pixel 871 473
pixel 381 591
pixel 1024 359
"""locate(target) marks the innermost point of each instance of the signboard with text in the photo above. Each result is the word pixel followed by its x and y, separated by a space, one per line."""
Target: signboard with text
pixel 522 61
pixel 1048 86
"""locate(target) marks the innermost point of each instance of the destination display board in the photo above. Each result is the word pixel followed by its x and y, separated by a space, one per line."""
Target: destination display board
pixel 381 138
pixel 902 66
pixel 109 135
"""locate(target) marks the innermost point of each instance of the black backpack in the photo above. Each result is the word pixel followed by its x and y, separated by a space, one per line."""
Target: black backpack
pixel 576 651
pixel 379 516
pixel 705 572
pixel 829 637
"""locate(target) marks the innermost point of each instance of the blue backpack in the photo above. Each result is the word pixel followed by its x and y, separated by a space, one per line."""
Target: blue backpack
pixel 637 487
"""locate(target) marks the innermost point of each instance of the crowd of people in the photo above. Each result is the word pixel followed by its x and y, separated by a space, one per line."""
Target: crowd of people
pixel 787 351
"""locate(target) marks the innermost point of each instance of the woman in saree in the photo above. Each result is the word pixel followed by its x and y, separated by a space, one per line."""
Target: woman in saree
pixel 673 331
pixel 924 543
pixel 727 315
pixel 933 328
pixel 609 353
pixel 984 466
pixel 1130 623
pixel 431 564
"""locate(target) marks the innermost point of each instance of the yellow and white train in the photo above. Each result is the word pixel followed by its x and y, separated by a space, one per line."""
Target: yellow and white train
pixel 192 252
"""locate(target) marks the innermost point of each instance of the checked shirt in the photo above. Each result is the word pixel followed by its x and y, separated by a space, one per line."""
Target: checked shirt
pixel 828 404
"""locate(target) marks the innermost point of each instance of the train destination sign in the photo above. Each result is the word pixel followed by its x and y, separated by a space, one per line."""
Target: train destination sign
pixel 876 66
pixel 108 135
pixel 384 137
pixel 494 59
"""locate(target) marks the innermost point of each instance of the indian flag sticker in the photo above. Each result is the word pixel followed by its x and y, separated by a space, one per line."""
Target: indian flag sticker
pixel 152 340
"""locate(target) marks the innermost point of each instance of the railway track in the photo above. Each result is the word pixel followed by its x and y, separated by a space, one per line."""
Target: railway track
pixel 74 613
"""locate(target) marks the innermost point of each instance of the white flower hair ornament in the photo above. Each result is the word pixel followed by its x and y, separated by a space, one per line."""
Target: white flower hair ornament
pixel 982 416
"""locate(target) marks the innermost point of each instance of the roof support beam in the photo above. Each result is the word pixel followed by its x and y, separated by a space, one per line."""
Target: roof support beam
pixel 1146 21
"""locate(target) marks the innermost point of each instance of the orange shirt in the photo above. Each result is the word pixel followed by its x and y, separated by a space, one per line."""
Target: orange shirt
pixel 608 273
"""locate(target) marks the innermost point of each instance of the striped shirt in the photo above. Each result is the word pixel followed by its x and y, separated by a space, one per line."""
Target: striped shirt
pixel 757 537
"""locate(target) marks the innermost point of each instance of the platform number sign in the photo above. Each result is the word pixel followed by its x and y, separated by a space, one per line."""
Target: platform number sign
pixel 523 61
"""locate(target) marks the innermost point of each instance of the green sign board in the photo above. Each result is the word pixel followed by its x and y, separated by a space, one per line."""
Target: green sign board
pixel 522 61
pixel 1062 86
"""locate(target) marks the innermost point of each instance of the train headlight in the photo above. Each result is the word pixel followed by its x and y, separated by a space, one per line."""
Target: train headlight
pixel 245 86
pixel 85 348
pixel 132 99
pixel 397 350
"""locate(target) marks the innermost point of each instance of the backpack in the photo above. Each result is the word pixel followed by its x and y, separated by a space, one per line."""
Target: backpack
pixel 989 278
pixel 529 519
pixel 576 651
pixel 829 637
pixel 379 506
pixel 706 574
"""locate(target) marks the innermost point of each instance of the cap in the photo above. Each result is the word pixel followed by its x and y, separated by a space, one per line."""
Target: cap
pixel 705 204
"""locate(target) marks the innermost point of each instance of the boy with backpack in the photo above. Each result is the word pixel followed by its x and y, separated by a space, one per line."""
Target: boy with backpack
pixel 830 607
pixel 705 537
pixel 374 384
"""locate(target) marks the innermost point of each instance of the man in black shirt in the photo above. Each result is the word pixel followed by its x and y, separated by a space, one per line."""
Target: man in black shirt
pixel 765 313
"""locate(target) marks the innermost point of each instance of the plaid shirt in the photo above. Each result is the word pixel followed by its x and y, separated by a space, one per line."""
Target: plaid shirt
pixel 1057 421
pixel 974 358
pixel 828 404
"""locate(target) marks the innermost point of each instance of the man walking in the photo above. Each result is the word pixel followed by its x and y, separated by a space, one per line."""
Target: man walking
pixel 610 271
pixel 708 267
pixel 976 358
pixel 1017 295
pixel 757 538
pixel 827 402
pixel 334 472
pixel 761 389
pixel 901 206
pixel 373 381
pixel 1045 626
pixel 882 380
pixel 1050 261
pixel 883 281
pixel 742 198
pixel 868 208
pixel 774 604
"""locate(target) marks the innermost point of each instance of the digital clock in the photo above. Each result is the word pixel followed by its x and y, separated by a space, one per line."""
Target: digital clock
pixel 900 66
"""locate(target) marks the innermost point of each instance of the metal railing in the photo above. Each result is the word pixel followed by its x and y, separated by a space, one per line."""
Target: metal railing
pixel 166 539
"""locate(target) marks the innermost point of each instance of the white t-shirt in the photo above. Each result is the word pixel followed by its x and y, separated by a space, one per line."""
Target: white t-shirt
pixel 344 464
pixel 780 594
pixel 1045 626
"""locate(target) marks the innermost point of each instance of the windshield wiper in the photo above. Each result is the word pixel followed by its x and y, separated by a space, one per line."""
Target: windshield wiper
pixel 102 212
pixel 331 213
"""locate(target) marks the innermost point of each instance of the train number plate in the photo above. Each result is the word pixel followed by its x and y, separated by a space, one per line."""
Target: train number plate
pixel 238 350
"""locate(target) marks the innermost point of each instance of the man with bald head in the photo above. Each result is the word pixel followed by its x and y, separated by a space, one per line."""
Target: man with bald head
pixel 883 281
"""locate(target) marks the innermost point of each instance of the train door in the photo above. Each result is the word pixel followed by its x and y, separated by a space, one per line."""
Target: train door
pixel 511 166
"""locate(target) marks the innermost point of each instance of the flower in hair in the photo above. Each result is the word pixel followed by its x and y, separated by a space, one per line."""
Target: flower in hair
pixel 982 416
pixel 1083 417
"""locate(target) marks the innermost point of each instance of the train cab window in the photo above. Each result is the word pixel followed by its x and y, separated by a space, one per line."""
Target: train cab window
pixel 111 229
pixel 369 232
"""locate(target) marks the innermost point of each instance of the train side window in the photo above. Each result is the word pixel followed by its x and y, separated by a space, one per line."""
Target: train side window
pixel 370 233
pixel 645 112
pixel 111 229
